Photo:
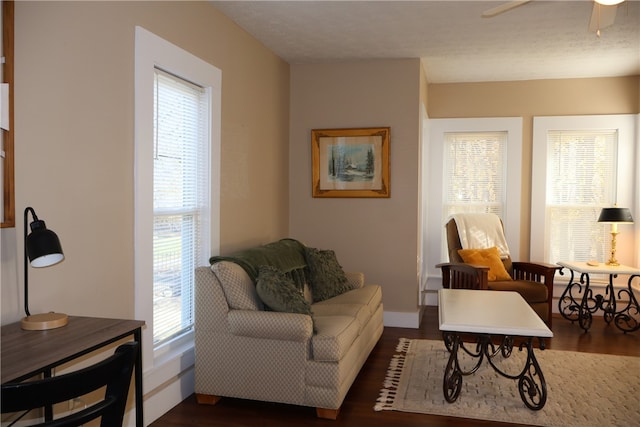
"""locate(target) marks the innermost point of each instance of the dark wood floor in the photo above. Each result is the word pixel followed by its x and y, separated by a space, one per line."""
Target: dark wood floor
pixel 357 409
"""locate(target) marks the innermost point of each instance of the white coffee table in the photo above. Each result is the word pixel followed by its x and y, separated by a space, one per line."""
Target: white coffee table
pixel 485 315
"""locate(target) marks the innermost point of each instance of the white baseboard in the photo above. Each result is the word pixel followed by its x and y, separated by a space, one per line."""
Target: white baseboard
pixel 403 319
pixel 429 297
pixel 161 400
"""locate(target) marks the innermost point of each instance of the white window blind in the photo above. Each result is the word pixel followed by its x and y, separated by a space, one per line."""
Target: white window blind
pixel 581 180
pixel 180 200
pixel 474 165
pixel 474 177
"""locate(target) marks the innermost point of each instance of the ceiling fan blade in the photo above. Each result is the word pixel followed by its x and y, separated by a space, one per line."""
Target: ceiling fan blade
pixel 489 13
pixel 602 16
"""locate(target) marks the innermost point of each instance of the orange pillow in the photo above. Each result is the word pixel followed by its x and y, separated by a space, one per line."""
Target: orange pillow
pixel 489 258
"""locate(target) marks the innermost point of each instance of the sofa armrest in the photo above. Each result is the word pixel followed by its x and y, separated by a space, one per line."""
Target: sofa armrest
pixel 463 276
pixel 355 279
pixel 270 325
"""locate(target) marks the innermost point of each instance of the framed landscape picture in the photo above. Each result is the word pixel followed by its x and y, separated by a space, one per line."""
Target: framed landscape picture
pixel 350 162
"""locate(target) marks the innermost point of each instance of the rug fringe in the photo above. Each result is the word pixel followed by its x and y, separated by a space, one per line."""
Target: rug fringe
pixel 392 380
pixel 403 345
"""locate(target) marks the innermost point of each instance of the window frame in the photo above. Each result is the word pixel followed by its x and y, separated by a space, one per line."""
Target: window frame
pixel 153 52
pixel 198 190
pixel 511 220
pixel 626 157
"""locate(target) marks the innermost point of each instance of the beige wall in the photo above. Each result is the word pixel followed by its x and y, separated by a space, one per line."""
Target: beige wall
pixel 74 129
pixel 527 99
pixel 74 146
pixel 377 236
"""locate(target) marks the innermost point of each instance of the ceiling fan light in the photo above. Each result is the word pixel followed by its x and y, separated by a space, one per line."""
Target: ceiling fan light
pixel 609 2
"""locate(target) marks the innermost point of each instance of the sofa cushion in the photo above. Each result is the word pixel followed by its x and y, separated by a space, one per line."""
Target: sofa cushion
pixel 237 286
pixel 489 257
pixel 278 292
pixel 369 295
pixel 326 276
pixel 360 312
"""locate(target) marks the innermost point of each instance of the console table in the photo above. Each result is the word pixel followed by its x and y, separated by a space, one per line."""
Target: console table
pixel 579 303
pixel 26 354
pixel 483 314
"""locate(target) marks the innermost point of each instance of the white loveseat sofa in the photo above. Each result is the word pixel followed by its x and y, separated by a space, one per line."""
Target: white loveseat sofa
pixel 246 350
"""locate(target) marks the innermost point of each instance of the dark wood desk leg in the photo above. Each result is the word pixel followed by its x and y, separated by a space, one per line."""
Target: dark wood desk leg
pixel 138 379
pixel 48 410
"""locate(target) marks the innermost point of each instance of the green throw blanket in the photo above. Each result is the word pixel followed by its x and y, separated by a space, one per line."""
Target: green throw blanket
pixel 287 255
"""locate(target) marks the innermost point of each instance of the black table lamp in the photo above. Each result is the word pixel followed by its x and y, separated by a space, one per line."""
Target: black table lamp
pixel 615 216
pixel 42 248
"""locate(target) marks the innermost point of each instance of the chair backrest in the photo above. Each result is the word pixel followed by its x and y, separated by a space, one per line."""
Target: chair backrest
pixel 453 244
pixel 114 372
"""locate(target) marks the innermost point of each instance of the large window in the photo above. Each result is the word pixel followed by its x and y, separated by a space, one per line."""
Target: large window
pixel 580 165
pixel 474 166
pixel 581 180
pixel 177 157
pixel 180 200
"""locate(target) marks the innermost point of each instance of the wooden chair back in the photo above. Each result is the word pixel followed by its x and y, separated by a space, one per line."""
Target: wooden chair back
pixel 114 372
pixel 453 244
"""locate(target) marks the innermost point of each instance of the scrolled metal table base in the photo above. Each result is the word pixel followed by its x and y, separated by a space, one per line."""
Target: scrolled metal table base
pixel 578 302
pixel 627 319
pixel 531 383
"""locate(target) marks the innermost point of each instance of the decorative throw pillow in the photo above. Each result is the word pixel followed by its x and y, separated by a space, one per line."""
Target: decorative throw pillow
pixel 487 257
pixel 279 292
pixel 237 286
pixel 326 276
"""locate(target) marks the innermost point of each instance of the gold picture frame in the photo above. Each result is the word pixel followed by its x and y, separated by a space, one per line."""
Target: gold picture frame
pixel 350 162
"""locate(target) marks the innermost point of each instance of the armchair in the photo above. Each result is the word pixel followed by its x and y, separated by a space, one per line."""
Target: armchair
pixel 534 281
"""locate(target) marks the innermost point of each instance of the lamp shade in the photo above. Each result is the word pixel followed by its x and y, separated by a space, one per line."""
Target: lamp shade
pixel 43 246
pixel 616 215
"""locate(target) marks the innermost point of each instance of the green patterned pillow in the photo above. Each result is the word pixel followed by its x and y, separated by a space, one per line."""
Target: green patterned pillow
pixel 279 292
pixel 326 277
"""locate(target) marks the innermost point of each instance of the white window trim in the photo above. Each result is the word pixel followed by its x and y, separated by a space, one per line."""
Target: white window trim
pixel 511 220
pixel 636 179
pixel 151 51
pixel 627 178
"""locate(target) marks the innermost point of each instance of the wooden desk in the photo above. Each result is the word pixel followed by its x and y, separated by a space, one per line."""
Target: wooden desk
pixel 26 354
pixel 483 314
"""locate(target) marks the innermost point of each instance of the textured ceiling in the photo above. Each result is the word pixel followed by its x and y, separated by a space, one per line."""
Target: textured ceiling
pixel 538 40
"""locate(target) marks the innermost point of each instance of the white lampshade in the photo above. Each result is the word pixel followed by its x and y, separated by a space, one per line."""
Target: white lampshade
pixel 609 2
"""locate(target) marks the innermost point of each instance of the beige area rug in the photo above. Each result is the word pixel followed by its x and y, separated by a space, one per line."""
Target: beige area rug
pixel 583 389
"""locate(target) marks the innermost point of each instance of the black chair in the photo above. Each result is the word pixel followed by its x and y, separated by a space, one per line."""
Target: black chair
pixel 114 373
